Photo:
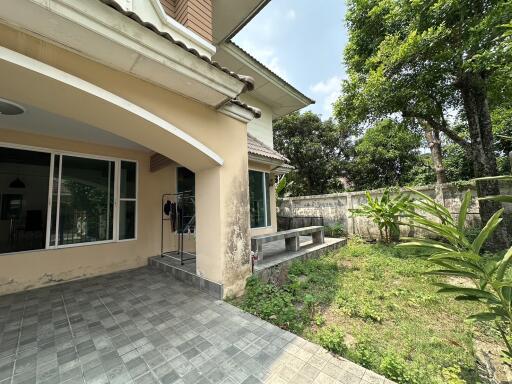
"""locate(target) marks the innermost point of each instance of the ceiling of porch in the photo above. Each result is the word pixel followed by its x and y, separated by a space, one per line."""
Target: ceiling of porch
pixel 38 121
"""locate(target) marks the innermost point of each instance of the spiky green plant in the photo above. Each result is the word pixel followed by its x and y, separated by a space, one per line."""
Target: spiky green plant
pixel 456 256
pixel 385 212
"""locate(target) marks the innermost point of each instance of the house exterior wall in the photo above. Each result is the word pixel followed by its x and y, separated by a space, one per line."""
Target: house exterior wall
pixel 31 269
pixel 222 191
pixel 260 128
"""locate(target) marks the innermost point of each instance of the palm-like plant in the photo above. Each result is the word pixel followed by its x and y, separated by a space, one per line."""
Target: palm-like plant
pixel 282 187
pixel 384 212
pixel 456 256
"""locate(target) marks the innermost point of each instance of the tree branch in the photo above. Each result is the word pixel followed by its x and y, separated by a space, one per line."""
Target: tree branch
pixel 440 126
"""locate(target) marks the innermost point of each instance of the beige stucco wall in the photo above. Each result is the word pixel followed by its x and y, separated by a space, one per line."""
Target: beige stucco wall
pixel 222 239
pixel 25 270
pixel 260 128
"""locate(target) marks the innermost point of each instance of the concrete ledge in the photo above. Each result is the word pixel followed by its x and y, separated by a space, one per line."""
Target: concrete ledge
pixel 180 273
pixel 276 266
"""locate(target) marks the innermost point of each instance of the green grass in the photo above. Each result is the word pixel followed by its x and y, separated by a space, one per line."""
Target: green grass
pixel 373 305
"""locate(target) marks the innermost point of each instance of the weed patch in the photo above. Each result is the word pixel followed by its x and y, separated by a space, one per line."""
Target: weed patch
pixel 374 305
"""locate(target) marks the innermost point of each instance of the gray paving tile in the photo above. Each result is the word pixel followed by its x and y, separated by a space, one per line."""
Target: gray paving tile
pixel 143 326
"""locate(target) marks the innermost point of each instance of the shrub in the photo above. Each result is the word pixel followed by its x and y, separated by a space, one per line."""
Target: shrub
pixel 385 213
pixel 455 255
pixel 271 303
pixel 334 230
pixel 395 368
pixel 332 339
pixel 451 375
pixel 365 354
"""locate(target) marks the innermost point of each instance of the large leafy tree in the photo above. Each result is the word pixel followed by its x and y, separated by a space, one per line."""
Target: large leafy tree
pixel 315 149
pixel 385 156
pixel 425 60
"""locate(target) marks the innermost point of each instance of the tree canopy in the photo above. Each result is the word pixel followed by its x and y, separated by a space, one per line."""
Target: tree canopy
pixel 433 63
pixel 315 148
pixel 385 156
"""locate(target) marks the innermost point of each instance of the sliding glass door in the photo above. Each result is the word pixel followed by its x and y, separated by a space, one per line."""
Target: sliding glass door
pixel 84 200
pixel 90 199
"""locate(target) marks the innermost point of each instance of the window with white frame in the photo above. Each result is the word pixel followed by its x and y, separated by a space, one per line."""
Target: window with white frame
pixel 51 199
pixel 259 198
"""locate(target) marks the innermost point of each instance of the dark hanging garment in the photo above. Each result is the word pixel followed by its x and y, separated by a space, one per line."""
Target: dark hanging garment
pixel 173 217
pixel 179 209
pixel 167 208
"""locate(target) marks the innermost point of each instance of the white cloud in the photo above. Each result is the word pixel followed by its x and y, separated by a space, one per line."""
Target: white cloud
pixel 267 55
pixel 291 14
pixel 327 86
pixel 327 92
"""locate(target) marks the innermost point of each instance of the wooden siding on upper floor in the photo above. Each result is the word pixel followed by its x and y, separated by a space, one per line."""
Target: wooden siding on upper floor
pixel 193 14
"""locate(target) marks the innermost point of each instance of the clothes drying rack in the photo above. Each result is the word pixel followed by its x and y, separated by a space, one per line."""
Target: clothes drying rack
pixel 180 199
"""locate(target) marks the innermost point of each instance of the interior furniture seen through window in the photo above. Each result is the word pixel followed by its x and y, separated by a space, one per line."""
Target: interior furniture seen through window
pixel 259 197
pixel 186 184
pixel 24 179
pixel 91 200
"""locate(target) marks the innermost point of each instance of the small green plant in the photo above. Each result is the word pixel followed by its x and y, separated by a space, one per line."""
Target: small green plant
pixel 395 368
pixel 384 212
pixel 271 303
pixel 283 187
pixel 451 375
pixel 365 354
pixel 319 320
pixel 310 304
pixel 334 230
pixel 332 339
pixel 458 257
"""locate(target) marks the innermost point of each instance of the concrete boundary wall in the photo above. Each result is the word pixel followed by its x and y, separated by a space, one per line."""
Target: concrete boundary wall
pixel 334 208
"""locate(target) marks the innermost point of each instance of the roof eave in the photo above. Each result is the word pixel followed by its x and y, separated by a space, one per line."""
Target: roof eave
pixel 274 78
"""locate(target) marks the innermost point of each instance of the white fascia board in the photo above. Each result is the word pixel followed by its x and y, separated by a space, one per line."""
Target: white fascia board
pixel 99 32
pixel 265 160
pixel 236 112
pixel 263 71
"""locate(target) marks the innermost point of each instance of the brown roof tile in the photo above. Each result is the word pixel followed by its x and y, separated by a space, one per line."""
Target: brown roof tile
pixel 259 149
pixel 255 111
pixel 247 80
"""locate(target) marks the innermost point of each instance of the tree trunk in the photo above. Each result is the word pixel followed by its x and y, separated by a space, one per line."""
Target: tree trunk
pixel 434 143
pixel 474 97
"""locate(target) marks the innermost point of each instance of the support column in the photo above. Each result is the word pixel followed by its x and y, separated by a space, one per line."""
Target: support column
pixel 223 235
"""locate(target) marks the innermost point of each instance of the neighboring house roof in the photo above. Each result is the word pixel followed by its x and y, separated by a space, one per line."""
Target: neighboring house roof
pixel 260 150
pixel 247 80
pixel 269 87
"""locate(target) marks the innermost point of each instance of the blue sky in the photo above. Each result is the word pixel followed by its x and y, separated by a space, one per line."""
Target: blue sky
pixel 302 41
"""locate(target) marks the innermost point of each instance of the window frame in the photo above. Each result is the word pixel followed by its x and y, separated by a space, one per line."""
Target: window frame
pixel 118 194
pixel 266 198
pixel 117 198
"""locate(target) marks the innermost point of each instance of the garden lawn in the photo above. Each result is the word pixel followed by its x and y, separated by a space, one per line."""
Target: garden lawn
pixel 374 305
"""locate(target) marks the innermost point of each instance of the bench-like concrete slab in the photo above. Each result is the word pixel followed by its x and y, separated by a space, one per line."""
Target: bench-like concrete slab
pixel 291 238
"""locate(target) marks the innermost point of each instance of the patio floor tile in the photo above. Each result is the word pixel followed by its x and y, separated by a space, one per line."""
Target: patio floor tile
pixel 143 326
